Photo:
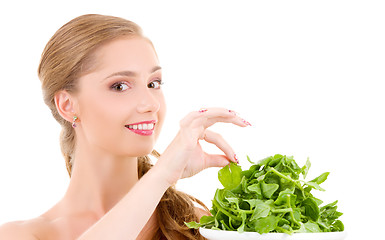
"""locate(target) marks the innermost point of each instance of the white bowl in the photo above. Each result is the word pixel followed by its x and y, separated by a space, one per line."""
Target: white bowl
pixel 233 235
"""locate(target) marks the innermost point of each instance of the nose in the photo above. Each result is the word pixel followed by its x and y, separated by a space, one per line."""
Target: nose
pixel 148 102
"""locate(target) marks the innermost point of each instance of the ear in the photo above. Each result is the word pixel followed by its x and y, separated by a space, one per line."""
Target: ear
pixel 65 105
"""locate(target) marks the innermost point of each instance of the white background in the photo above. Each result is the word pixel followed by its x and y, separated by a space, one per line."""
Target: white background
pixel 307 74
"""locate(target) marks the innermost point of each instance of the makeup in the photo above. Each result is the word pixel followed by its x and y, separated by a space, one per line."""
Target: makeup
pixel 144 128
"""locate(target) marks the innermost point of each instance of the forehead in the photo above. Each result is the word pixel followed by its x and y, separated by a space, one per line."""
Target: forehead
pixel 134 54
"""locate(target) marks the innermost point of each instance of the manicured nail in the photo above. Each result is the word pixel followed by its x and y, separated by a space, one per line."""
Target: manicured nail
pixel 202 110
pixel 236 159
pixel 233 112
pixel 246 122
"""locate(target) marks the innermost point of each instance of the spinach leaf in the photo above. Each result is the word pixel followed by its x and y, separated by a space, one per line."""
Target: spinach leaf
pixel 266 224
pixel 268 189
pixel 230 176
pixel 270 197
pixel 311 209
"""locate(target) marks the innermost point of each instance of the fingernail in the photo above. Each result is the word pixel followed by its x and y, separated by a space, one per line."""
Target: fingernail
pixel 233 112
pixel 202 110
pixel 246 122
pixel 236 159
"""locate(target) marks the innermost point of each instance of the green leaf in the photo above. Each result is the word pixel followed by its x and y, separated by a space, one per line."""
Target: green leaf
pixel 265 161
pixel 270 197
pixel 233 200
pixel 193 224
pixel 329 205
pixel 337 226
pixel 248 173
pixel 266 224
pixel 296 215
pixel 230 176
pixel 285 197
pixel 321 178
pixel 262 209
pixel 244 186
pixel 284 229
pixel 318 201
pixel 268 189
pixel 207 219
pixel 225 226
pixel 252 203
pixel 309 227
pixel 248 159
pixel 276 159
pixel 314 185
pixel 255 188
pixel 259 174
pixel 328 218
pixel 311 209
pixel 306 168
pixel 241 229
pixel 203 222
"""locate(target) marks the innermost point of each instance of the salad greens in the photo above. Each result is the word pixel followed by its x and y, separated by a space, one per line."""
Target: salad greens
pixel 270 197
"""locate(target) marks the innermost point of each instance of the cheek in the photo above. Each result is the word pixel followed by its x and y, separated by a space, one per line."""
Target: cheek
pixel 102 120
pixel 99 112
pixel 103 117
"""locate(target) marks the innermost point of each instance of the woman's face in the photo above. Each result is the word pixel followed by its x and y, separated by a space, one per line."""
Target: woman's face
pixel 121 106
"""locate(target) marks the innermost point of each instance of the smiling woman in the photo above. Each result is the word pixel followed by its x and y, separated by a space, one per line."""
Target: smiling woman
pixel 102 81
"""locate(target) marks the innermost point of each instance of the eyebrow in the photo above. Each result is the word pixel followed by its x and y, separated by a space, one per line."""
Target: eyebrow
pixel 131 73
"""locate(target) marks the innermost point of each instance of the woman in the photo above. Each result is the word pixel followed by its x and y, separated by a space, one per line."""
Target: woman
pixel 102 81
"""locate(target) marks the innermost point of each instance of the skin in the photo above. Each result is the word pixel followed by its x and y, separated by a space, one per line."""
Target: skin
pixel 104 192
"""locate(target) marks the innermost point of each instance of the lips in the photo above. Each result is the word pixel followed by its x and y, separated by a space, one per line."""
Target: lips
pixel 145 128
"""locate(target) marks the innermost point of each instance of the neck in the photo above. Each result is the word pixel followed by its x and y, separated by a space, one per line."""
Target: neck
pixel 99 180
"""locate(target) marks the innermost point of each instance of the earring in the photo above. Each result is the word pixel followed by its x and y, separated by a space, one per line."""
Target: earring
pixel 74 121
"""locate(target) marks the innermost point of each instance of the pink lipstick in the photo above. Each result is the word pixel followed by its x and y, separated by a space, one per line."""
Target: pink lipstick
pixel 144 128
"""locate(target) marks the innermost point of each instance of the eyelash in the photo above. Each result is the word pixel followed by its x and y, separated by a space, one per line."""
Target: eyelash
pixel 115 85
pixel 159 81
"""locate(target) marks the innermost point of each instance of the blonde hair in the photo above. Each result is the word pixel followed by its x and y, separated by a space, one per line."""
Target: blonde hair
pixel 68 55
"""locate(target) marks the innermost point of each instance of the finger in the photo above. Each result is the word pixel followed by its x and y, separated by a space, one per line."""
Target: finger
pixel 217 112
pixel 219 141
pixel 216 160
pixel 215 115
pixel 234 120
pixel 206 114
pixel 210 116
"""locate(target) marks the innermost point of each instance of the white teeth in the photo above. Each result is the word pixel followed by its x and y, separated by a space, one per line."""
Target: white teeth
pixel 142 126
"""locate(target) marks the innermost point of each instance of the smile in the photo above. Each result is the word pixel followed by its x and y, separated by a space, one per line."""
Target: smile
pixel 144 128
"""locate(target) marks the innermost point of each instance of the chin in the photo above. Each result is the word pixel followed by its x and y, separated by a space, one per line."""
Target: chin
pixel 135 147
pixel 144 152
pixel 139 151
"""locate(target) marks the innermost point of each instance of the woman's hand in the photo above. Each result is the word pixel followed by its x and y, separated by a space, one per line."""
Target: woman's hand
pixel 184 157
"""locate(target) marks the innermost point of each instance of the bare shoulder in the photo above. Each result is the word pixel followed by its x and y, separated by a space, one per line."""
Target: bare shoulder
pixel 201 212
pixel 18 230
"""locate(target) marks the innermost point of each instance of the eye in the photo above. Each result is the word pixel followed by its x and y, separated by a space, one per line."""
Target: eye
pixel 119 87
pixel 155 84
